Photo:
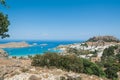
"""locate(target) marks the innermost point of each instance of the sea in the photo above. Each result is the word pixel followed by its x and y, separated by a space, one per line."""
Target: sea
pixel 38 47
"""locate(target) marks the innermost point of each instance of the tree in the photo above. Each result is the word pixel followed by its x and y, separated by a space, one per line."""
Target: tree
pixel 3 2
pixel 110 62
pixel 4 22
pixel 92 68
pixel 118 57
pixel 111 72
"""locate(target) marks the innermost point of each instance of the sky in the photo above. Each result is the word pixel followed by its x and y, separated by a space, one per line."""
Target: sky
pixel 62 19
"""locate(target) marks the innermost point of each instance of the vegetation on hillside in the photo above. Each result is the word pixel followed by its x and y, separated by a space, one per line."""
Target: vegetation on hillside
pixel 67 62
pixel 108 67
pixel 111 62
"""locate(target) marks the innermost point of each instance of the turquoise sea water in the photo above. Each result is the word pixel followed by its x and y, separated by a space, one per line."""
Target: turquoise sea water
pixel 39 47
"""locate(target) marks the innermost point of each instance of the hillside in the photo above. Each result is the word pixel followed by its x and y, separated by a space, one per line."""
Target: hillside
pixel 104 51
pixel 19 69
pixel 78 61
pixel 103 38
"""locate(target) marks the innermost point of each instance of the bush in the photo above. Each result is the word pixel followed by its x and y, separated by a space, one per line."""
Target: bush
pixel 111 72
pixel 118 57
pixel 67 62
pixel 14 57
pixel 92 68
pixel 108 52
pixel 22 57
pixel 30 56
pixel 110 62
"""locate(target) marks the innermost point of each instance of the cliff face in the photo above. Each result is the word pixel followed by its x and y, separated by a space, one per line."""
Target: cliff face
pixel 103 38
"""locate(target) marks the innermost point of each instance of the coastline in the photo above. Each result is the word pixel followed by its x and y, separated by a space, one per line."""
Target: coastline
pixel 35 47
pixel 24 65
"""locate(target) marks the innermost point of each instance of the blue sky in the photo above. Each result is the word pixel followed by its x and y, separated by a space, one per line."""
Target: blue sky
pixel 63 19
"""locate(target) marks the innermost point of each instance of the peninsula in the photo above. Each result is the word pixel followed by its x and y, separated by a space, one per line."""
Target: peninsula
pixel 14 45
pixel 4 54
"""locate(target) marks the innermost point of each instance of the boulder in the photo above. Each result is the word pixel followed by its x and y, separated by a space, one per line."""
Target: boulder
pixel 33 77
pixel 3 54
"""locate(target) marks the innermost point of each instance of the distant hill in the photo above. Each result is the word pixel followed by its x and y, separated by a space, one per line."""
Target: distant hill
pixel 14 45
pixel 103 38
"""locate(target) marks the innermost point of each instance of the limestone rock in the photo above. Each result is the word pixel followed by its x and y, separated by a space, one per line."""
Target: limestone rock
pixel 3 54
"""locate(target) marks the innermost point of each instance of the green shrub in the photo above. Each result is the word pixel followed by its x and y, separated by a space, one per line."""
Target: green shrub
pixel 30 57
pixel 92 68
pixel 14 57
pixel 110 62
pixel 67 62
pixel 111 72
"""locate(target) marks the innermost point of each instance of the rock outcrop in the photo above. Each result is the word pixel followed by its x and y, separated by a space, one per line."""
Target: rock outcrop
pixel 53 74
pixel 103 38
pixel 102 41
pixel 3 54
pixel 10 67
pixel 19 69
